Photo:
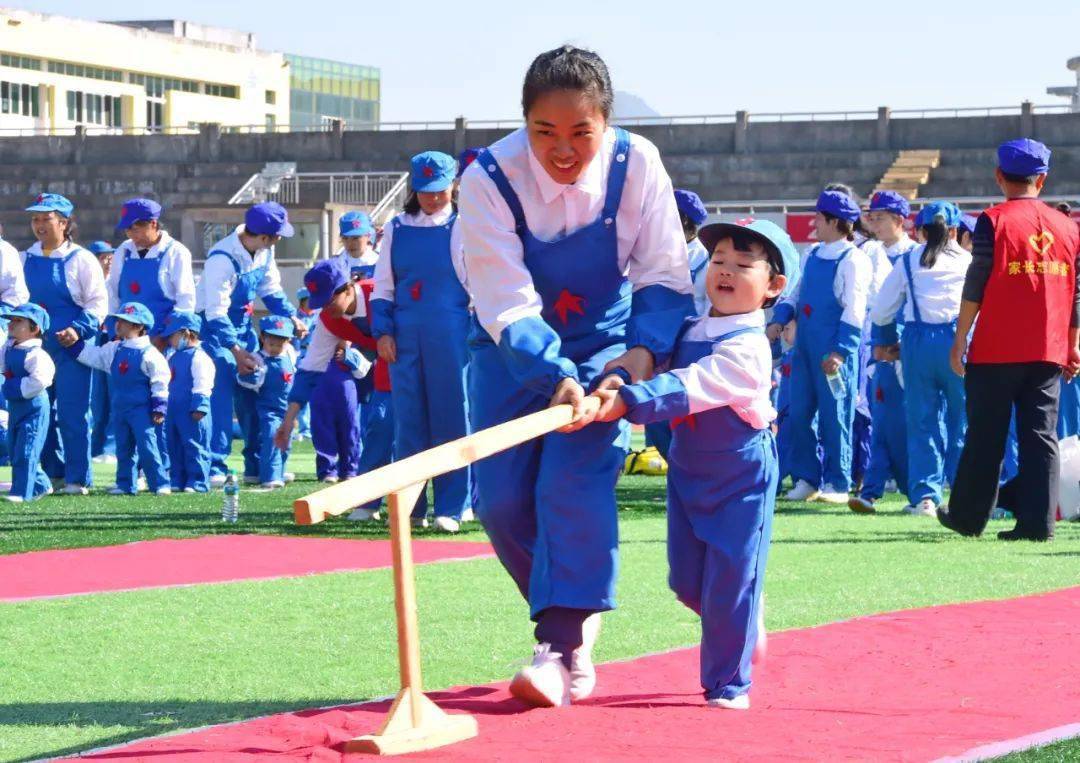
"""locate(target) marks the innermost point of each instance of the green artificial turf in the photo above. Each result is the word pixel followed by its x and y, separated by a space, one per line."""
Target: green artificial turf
pixel 95 670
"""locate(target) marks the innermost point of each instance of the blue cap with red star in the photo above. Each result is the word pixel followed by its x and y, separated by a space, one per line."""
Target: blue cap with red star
pixel 137 211
pixel 52 202
pixel 353 224
pixel 179 320
pixel 135 312
pixel 30 311
pixel 432 171
pixel 276 325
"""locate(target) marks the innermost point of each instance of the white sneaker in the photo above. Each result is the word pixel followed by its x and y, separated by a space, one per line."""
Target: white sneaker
pixel 217 480
pixel 891 487
pixel 924 508
pixel 447 524
pixel 364 515
pixel 545 682
pixel 190 490
pixel 329 480
pixel 14 498
pixel 468 516
pixel 288 477
pixel 829 494
pixel 116 490
pixel 803 491
pixel 861 505
pixel 419 524
pixel 249 480
pixel 271 485
pixel 742 702
pixel 582 670
pixel 163 491
pixel 73 489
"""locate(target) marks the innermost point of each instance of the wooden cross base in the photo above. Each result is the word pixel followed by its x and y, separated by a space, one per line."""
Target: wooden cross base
pixel 414 724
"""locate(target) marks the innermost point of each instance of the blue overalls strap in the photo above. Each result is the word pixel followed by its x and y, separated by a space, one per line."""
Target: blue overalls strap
pixel 911 287
pixel 232 259
pixel 739 332
pixel 617 174
pixel 494 171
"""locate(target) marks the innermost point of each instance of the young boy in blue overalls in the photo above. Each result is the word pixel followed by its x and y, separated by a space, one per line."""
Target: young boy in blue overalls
pixel 187 424
pixel 831 310
pixel 722 473
pixel 139 382
pixel 271 383
pixel 28 371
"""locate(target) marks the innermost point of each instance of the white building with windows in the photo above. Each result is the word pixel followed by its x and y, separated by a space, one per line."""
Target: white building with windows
pixel 57 73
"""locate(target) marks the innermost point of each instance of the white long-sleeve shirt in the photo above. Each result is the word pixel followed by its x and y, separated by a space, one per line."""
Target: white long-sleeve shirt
pixel 324 344
pixel 203 372
pixel 879 265
pixel 40 368
pixel 153 364
pixel 214 292
pixel 851 286
pixel 737 374
pixel 174 276
pixel 651 244
pixel 384 269
pixel 13 289
pixel 82 274
pixel 938 290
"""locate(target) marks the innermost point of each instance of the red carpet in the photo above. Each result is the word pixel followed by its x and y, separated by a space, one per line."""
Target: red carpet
pixel 210 559
pixel 912 686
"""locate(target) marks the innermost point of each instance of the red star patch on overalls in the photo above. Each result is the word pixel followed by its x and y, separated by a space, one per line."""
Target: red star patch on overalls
pixel 9 374
pixel 123 367
pixel 568 303
pixel 785 369
pixel 690 421
pixel 249 308
pixel 807 310
pixel 135 288
pixel 287 376
pixel 414 291
pixel 880 395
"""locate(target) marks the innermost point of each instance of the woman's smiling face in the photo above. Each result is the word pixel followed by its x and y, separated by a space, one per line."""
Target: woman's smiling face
pixel 566 131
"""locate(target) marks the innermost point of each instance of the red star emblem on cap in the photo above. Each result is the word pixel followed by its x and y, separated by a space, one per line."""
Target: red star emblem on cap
pixel 807 310
pixel 135 288
pixel 129 309
pixel 745 220
pixel 40 198
pixel 690 421
pixel 568 303
pixel 415 290
pixel 123 367
pixel 356 223
pixel 123 211
pixel 428 172
pixel 312 286
pixel 279 324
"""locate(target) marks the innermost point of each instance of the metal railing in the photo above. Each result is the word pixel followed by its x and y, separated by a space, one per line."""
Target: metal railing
pixel 786 206
pixel 283 184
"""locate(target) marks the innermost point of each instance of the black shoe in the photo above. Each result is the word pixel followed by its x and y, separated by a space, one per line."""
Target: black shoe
pixel 947 521
pixel 1016 534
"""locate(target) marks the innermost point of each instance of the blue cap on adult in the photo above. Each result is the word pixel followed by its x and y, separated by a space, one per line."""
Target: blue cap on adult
pixel 690 204
pixel 137 211
pixel 180 320
pixel 135 312
pixel 432 171
pixel 946 211
pixel 354 224
pixel 100 247
pixel 323 280
pixel 1024 157
pixel 276 325
pixel 52 202
pixel 890 201
pixel 839 205
pixel 782 253
pixel 268 219
pixel 31 311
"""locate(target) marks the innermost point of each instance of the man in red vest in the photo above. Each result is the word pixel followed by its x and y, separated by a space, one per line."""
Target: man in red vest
pixel 1022 286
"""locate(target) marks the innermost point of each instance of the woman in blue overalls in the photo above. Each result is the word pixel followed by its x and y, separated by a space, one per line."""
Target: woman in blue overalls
pixel 561 221
pixel 420 317
pixel 67 281
pixel 238 269
pixel 927 284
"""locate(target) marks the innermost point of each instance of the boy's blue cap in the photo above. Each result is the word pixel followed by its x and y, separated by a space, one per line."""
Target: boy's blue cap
pixel 268 219
pixel 52 202
pixel 772 237
pixel 946 210
pixel 178 320
pixel 967 222
pixel 354 223
pixel 433 171
pixel 838 205
pixel 31 311
pixel 137 210
pixel 323 280
pixel 1024 157
pixel 276 325
pixel 690 204
pixel 135 312
pixel 890 201
pixel 465 158
pixel 302 293
pixel 100 247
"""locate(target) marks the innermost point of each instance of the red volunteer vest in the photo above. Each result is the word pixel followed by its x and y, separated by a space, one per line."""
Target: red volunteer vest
pixel 1027 305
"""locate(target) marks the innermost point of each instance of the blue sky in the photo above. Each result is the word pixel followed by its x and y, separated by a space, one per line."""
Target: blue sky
pixel 443 59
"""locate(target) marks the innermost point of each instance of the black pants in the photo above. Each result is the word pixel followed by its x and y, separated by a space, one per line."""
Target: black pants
pixel 992 391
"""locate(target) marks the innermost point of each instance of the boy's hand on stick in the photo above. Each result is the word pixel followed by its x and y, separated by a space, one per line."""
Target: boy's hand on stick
pixel 570 392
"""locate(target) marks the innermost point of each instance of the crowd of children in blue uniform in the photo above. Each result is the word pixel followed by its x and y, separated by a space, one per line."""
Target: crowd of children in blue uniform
pixel 573 269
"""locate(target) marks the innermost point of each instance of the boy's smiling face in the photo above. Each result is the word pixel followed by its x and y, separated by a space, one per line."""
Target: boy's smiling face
pixel 740 280
pixel 273 345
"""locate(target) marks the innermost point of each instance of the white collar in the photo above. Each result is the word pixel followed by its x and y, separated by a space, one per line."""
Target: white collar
pixel 834 248
pixel 63 250
pixel 903 244
pixel 136 343
pixel 156 250
pixel 233 244
pixel 439 218
pixel 29 344
pixel 718 326
pixel 590 182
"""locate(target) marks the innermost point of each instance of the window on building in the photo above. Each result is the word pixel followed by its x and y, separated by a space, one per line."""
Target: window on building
pixel 94 109
pixel 271 122
pixel 19 98
pixel 271 97
pixel 19 62
pixel 222 91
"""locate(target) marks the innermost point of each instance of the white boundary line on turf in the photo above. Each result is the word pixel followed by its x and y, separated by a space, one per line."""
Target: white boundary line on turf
pixel 79 594
pixel 1006 746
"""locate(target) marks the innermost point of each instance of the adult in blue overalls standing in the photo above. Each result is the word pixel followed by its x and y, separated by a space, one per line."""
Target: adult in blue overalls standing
pixel 562 220
pixel 420 317
pixel 67 281
pixel 238 269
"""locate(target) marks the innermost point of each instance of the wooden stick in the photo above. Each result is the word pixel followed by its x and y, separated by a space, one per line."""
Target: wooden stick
pixel 347 495
pixel 401 506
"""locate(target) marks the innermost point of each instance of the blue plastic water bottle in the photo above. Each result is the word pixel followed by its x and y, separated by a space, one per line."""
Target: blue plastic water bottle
pixel 230 504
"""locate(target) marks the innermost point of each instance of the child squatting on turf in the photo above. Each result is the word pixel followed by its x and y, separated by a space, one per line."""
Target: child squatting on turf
pixel 723 467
